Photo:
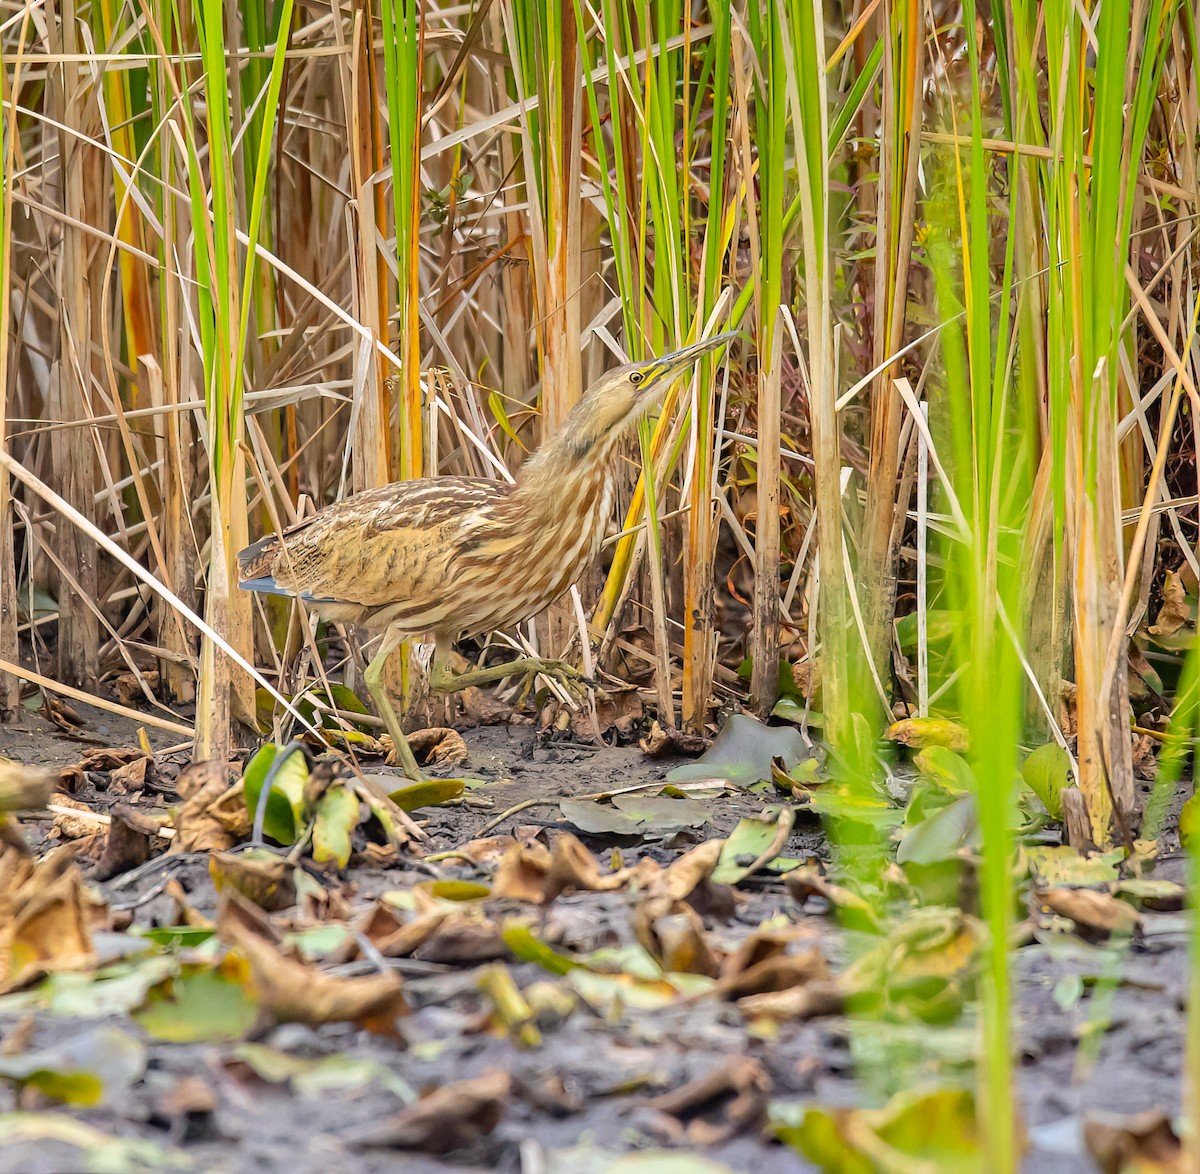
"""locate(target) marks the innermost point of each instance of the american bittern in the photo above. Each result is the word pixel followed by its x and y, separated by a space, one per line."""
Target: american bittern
pixel 459 556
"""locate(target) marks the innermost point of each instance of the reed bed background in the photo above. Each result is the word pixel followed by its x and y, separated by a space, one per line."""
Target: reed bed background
pixel 255 256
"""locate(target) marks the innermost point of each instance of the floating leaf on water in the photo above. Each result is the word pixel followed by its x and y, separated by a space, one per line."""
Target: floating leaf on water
pixel 430 793
pixel 1047 773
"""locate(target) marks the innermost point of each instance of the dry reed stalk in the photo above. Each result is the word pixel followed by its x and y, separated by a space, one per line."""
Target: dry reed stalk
pixel 73 449
pixel 900 157
pixel 764 681
pixel 10 686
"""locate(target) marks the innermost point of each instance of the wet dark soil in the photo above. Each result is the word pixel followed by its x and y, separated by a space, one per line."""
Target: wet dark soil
pixel 1098 1029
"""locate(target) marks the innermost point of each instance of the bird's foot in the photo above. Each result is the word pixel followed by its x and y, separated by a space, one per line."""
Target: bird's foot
pixel 569 677
pixel 529 667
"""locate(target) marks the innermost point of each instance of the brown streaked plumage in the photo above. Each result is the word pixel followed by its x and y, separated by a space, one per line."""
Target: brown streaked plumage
pixel 456 556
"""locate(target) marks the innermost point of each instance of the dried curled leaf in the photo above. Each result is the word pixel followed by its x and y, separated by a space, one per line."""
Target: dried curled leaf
pixel 529 872
pixel 290 991
pixel 1093 912
pixel 45 917
pixel 449 1118
pixel 1145 1143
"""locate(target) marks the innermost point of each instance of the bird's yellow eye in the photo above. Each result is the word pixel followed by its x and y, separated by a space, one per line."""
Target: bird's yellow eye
pixel 636 377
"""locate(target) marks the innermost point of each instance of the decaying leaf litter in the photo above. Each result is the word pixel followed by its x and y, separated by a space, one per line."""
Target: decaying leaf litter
pixel 645 956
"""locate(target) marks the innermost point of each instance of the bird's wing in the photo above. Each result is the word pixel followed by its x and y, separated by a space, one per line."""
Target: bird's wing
pixel 376 548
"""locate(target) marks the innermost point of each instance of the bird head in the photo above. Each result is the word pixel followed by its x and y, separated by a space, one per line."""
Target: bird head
pixel 621 395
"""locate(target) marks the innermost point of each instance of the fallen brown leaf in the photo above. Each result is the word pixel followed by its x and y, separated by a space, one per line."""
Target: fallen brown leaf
pixel 449 1118
pixel 659 742
pixel 70 827
pixel 616 709
pixel 266 881
pixel 764 962
pixel 437 746
pixel 675 937
pixel 482 708
pixel 128 688
pixel 126 845
pixel 1175 610
pixel 133 776
pixel 46 917
pixel 807 881
pixel 1093 912
pixel 212 816
pixel 23 788
pixel 1145 1143
pixel 737 1089
pixel 810 1001
pixel 290 991
pixel 529 872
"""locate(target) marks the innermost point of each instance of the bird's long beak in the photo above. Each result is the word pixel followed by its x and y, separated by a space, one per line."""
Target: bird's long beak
pixel 671 364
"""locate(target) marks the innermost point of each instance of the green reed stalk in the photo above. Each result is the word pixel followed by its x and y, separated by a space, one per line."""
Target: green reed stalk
pixel 403 55
pixel 990 473
pixel 224 317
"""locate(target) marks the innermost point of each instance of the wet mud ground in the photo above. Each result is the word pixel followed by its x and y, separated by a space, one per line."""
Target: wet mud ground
pixel 1097 1030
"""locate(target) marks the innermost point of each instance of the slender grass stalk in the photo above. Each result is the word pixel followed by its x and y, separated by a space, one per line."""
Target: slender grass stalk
pixel 10 686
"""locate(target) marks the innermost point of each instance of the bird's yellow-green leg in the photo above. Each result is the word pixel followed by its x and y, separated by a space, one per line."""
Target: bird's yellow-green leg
pixel 402 751
pixel 445 680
